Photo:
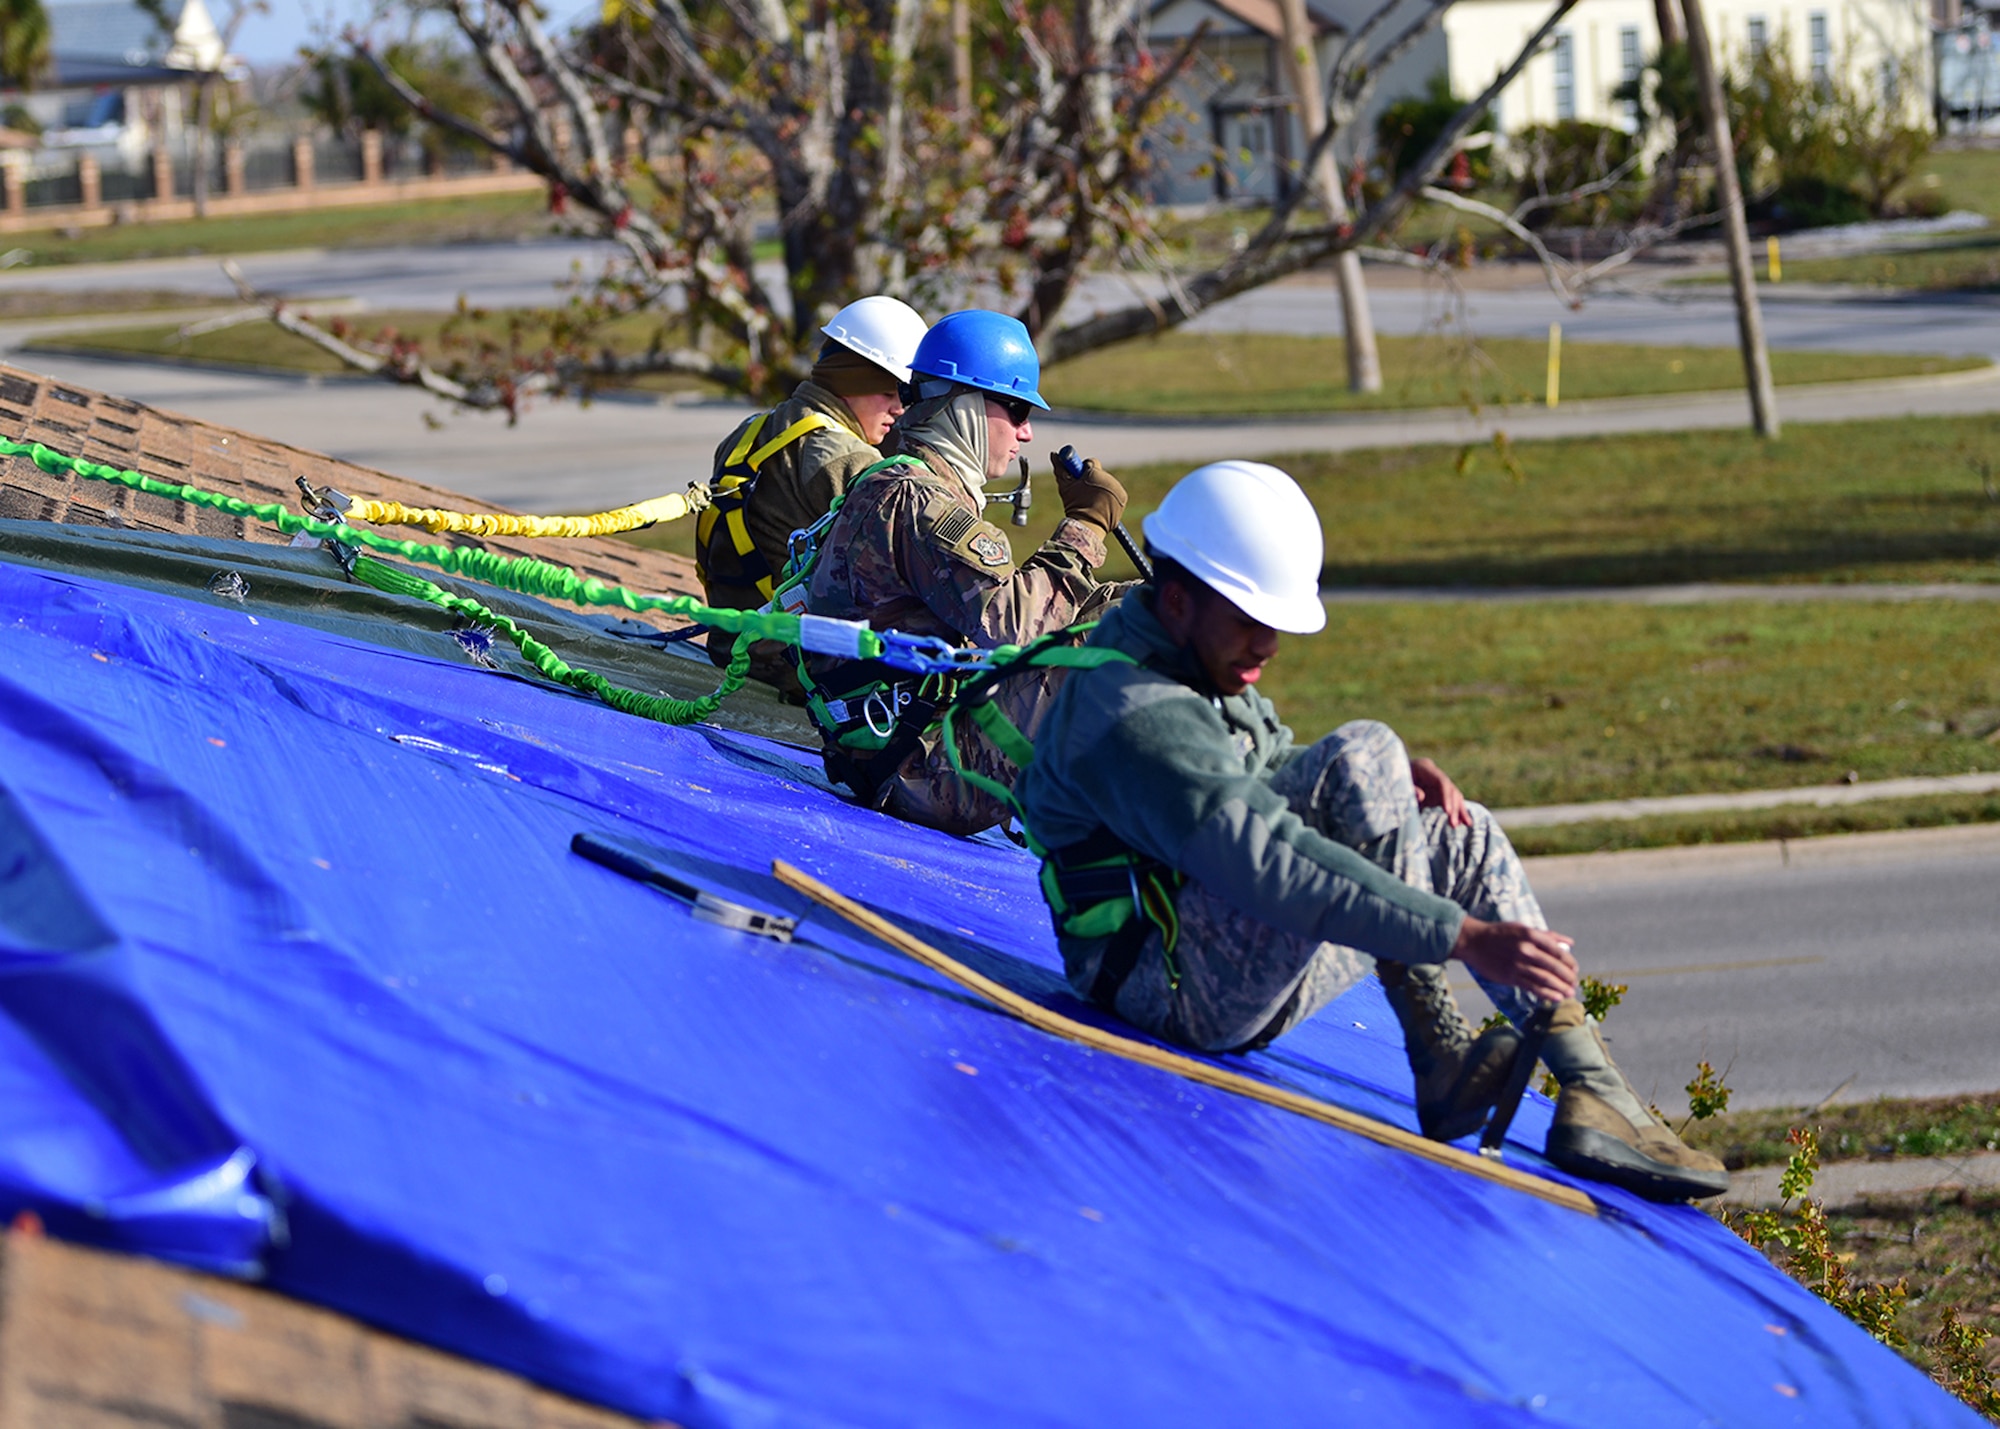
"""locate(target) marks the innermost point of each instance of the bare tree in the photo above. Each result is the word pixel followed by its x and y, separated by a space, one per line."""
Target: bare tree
pixel 674 125
pixel 1743 282
pixel 1364 364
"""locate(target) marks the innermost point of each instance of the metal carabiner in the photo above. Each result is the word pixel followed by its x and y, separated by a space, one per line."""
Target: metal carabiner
pixel 869 707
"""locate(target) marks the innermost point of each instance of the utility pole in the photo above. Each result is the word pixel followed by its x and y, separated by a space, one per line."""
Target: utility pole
pixel 1364 365
pixel 1749 316
pixel 961 58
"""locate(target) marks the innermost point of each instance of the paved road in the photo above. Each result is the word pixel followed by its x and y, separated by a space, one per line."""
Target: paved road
pixel 562 458
pixel 1862 966
pixel 522 274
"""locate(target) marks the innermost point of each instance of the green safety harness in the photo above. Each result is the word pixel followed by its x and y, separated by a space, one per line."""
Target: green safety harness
pixel 873 713
pixel 527 576
pixel 1099 886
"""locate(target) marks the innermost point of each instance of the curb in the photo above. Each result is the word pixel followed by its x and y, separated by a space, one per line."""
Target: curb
pixel 1967 841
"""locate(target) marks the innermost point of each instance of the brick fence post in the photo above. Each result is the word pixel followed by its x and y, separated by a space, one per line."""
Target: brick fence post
pixel 14 173
pixel 371 156
pixel 302 162
pixel 232 170
pixel 163 174
pixel 90 179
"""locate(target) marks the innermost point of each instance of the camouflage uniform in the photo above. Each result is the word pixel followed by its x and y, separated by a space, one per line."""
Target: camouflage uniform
pixel 793 488
pixel 1244 982
pixel 911 552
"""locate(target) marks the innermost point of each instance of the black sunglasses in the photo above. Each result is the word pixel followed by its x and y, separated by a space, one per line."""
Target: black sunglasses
pixel 1018 409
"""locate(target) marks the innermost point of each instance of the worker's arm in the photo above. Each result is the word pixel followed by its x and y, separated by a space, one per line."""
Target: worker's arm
pixel 963 569
pixel 1161 772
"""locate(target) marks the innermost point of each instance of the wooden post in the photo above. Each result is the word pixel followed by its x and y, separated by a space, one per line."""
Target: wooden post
pixel 1749 316
pixel 371 156
pixel 1364 363
pixel 90 179
pixel 302 161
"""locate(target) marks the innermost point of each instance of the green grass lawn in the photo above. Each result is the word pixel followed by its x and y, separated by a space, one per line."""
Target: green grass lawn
pixel 486 217
pixel 1907 499
pixel 1963 178
pixel 27 303
pixel 1885 1128
pixel 1950 265
pixel 1554 703
pixel 1237 374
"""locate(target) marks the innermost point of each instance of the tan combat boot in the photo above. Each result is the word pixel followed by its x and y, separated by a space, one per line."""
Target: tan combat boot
pixel 1458 1075
pixel 1603 1132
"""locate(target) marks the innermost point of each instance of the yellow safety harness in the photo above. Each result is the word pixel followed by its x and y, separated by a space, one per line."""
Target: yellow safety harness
pixel 482 523
pixel 731 490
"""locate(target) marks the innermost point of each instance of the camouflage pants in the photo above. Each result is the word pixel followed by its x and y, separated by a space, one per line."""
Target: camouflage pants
pixel 926 789
pixel 1243 982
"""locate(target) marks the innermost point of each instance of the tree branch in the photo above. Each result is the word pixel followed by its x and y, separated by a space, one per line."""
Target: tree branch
pixel 404 368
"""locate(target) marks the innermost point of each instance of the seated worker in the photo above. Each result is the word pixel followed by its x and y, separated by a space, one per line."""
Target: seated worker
pixel 910 551
pixel 780 470
pixel 1258 870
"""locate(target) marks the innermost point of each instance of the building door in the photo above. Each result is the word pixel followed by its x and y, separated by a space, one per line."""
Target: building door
pixel 1247 166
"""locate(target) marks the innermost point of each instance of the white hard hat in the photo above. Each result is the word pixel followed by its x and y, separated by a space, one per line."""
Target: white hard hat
pixel 884 330
pixel 1246 531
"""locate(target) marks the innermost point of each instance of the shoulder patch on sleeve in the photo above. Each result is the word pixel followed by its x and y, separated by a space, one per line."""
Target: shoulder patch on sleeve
pixel 955 525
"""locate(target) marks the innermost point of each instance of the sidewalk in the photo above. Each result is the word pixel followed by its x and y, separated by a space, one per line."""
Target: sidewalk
pixel 1822 796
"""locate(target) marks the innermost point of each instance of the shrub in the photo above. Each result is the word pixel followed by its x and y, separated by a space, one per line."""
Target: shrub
pixel 1407 128
pixel 1813 152
pixel 1559 158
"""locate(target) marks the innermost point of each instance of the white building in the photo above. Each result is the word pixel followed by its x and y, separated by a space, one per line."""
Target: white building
pixel 1879 46
pixel 1235 133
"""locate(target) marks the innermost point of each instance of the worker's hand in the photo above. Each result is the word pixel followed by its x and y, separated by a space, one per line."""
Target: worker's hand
pixel 1533 959
pixel 1436 791
pixel 1095 496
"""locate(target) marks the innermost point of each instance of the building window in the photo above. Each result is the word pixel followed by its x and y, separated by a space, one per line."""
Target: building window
pixel 1821 50
pixel 1630 65
pixel 1565 75
pixel 1758 36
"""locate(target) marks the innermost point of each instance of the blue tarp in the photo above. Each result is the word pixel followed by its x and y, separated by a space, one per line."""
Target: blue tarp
pixel 299 978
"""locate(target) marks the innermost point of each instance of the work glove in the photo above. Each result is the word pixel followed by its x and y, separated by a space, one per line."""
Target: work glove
pixel 1095 496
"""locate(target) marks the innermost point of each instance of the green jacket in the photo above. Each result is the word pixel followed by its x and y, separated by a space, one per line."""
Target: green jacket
pixel 1182 774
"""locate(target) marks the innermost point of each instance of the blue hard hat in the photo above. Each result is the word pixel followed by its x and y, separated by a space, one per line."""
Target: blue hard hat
pixel 982 349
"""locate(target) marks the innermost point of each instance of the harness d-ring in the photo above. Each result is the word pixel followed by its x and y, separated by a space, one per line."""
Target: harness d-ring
pixel 869 706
